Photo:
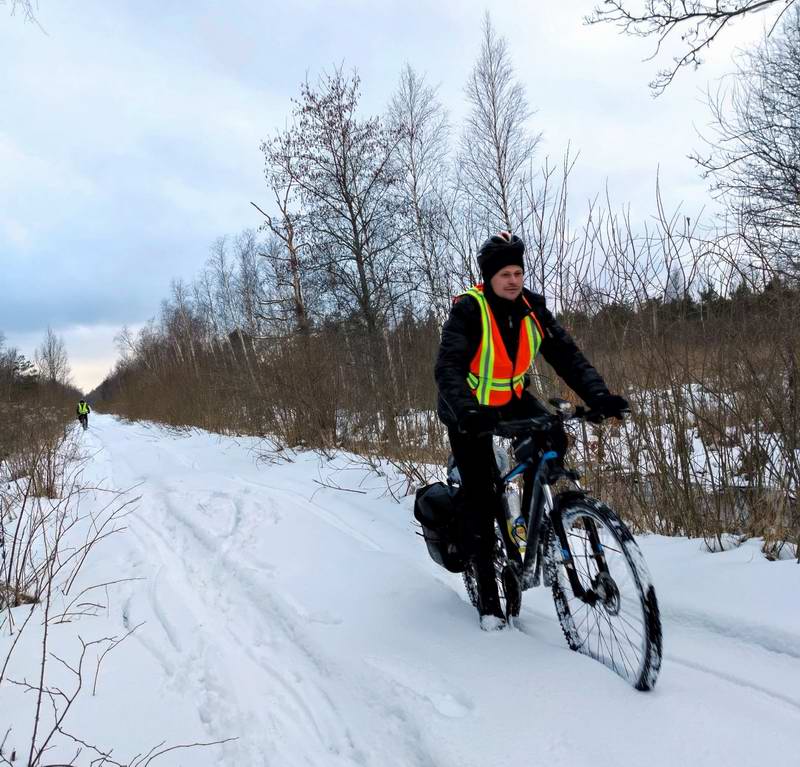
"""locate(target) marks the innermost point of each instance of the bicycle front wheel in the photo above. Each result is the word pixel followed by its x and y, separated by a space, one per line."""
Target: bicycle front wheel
pixel 617 621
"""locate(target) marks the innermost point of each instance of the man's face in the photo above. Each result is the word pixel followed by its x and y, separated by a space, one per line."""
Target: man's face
pixel 507 283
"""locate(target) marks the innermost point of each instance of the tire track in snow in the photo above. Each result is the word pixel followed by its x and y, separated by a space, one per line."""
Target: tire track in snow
pixel 233 593
pixel 196 672
pixel 764 637
pixel 316 508
pixel 733 679
pixel 708 627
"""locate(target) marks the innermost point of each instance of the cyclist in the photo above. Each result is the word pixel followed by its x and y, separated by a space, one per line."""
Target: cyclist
pixel 493 333
pixel 83 413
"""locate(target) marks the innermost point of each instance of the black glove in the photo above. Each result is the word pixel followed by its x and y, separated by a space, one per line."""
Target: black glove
pixel 476 423
pixel 610 406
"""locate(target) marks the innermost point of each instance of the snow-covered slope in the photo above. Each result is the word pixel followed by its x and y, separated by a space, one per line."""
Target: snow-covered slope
pixel 309 624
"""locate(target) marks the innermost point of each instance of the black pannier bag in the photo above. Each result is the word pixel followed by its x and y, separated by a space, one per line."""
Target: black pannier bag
pixel 438 509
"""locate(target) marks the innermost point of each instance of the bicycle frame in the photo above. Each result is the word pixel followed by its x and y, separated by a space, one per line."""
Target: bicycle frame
pixel 541 507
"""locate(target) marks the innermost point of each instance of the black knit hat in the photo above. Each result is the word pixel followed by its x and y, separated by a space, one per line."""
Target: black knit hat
pixel 499 251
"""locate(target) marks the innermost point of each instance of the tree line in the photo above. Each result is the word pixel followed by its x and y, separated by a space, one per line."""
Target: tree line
pixel 37 403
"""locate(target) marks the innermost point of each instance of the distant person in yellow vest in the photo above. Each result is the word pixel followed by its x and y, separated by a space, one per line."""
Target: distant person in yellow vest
pixel 494 332
pixel 83 413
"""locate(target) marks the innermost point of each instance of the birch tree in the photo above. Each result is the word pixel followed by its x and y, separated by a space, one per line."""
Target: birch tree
pixel 419 120
pixel 496 145
pixel 286 254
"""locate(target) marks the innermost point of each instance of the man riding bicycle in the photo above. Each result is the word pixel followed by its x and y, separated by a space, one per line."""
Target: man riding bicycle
pixel 83 413
pixel 489 341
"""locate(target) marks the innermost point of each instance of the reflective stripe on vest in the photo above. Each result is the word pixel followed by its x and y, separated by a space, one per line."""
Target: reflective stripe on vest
pixel 83 409
pixel 492 378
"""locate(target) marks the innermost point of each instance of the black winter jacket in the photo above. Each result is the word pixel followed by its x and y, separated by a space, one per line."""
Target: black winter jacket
pixel 461 336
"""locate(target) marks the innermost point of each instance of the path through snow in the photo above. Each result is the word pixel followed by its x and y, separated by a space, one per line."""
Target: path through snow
pixel 309 624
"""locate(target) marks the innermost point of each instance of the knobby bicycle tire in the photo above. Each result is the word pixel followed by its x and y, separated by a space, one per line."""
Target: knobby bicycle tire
pixel 624 633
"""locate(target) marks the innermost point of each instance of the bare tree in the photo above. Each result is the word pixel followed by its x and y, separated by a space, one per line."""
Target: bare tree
pixel 249 281
pixel 697 23
pixel 286 263
pixel 287 280
pixel 754 157
pixel 16 373
pixel 25 8
pixel 222 271
pixel 342 168
pixel 420 121
pixel 496 145
pixel 553 269
pixel 51 359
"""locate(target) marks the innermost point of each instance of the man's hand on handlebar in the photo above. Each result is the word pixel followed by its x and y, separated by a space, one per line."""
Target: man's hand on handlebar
pixel 477 422
pixel 608 406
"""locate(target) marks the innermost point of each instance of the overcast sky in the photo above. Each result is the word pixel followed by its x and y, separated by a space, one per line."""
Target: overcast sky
pixel 130 131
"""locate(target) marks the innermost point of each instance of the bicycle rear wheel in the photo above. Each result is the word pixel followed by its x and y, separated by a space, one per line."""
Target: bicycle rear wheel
pixel 619 624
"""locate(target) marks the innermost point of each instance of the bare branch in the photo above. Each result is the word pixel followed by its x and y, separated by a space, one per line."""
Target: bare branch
pixel 698 24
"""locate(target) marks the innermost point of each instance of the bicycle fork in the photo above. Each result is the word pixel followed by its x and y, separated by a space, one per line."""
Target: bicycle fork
pixel 596 552
pixel 541 503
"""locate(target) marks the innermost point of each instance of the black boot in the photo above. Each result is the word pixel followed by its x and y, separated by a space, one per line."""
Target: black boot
pixel 491 615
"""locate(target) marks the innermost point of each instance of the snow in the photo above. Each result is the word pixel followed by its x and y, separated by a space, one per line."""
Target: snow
pixel 309 624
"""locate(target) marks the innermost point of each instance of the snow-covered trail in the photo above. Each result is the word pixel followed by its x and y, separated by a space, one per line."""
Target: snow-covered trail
pixel 309 624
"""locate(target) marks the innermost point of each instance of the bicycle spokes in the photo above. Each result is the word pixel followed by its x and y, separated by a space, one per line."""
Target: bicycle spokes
pixel 604 601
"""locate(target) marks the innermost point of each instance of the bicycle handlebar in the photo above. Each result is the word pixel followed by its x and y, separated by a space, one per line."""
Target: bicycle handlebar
pixel 520 426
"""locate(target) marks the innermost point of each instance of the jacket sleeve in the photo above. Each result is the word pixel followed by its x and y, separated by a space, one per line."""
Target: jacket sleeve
pixel 563 355
pixel 460 340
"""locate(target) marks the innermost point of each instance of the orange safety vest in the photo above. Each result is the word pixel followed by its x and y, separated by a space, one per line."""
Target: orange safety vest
pixel 492 378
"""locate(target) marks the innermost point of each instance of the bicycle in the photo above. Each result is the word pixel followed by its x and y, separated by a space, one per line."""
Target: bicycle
pixel 579 547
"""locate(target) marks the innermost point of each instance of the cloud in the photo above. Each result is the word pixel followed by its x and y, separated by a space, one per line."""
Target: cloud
pixel 118 172
pixel 91 349
pixel 14 233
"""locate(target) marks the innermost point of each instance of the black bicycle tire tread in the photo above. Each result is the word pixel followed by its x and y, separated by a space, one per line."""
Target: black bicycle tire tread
pixel 649 603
